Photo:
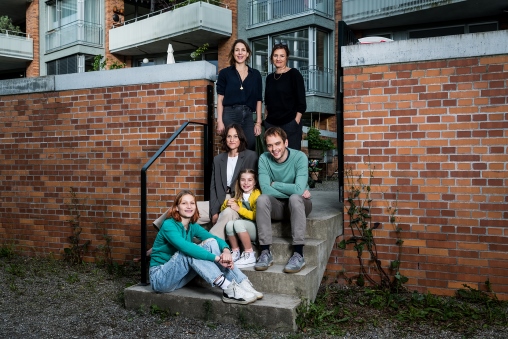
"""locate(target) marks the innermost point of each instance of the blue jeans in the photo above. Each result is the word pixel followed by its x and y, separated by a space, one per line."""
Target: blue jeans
pixel 243 116
pixel 181 269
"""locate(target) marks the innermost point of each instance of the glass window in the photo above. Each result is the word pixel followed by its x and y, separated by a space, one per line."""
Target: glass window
pixel 298 44
pixel 260 55
pixel 312 58
pixel 69 12
pixel 92 11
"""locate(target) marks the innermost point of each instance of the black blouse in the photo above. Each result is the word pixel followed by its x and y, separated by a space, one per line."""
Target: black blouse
pixel 229 83
pixel 284 96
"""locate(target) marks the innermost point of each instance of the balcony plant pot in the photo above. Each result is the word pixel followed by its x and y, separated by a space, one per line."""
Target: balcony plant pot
pixel 317 145
pixel 316 154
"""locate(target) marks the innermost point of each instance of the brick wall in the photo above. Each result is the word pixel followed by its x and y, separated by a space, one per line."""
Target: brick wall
pixel 436 133
pixel 32 28
pixel 96 142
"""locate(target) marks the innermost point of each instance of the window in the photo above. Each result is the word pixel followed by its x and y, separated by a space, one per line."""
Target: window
pixel 309 53
pixel 76 63
pixel 72 22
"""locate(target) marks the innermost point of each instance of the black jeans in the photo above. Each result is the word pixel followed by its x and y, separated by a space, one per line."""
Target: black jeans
pixel 243 116
pixel 293 131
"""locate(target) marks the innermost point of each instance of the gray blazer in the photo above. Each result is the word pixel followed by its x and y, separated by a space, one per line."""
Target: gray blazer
pixel 218 187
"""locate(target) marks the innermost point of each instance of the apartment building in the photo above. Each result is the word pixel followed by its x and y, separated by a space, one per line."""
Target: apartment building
pixel 64 36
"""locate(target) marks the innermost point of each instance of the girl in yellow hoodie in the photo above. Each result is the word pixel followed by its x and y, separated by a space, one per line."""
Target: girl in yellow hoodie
pixel 244 229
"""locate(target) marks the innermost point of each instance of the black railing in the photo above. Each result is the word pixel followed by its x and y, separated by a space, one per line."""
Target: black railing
pixel 346 37
pixel 207 172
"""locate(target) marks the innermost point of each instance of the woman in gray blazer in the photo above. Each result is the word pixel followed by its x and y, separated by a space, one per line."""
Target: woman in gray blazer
pixel 226 166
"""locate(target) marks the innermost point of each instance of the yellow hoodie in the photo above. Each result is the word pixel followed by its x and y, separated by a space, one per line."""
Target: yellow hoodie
pixel 244 212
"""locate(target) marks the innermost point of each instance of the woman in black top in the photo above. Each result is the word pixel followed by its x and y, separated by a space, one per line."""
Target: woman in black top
pixel 285 97
pixel 240 93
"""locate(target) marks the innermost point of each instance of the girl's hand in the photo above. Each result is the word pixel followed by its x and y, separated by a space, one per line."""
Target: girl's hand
pixel 226 259
pixel 233 205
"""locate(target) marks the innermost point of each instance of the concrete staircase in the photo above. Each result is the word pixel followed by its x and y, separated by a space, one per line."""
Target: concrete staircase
pixel 282 292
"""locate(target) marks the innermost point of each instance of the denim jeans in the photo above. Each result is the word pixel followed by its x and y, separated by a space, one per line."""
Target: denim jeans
pixel 181 269
pixel 293 131
pixel 243 116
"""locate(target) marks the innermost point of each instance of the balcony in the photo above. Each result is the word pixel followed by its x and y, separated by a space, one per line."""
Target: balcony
pixel 360 14
pixel 15 49
pixel 265 11
pixel 190 26
pixel 318 80
pixel 76 33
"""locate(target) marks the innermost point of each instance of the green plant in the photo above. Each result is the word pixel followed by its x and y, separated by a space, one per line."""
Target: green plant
pixel 74 254
pixel 362 236
pixel 99 64
pixel 7 251
pixel 315 141
pixel 199 51
pixel 208 309
pixel 72 278
pixel 6 24
pixel 104 252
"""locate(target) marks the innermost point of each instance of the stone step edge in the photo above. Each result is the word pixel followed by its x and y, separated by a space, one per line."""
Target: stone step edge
pixel 274 311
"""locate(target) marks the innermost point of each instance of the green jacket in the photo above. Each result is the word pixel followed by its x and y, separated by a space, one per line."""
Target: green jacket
pixel 173 237
pixel 287 178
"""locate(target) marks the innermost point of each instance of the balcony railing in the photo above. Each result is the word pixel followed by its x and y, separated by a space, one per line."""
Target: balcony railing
pixel 16 45
pixel 354 11
pixel 76 33
pixel 191 22
pixel 263 11
pixel 317 80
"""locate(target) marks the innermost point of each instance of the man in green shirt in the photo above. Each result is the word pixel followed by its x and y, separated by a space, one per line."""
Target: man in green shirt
pixel 283 176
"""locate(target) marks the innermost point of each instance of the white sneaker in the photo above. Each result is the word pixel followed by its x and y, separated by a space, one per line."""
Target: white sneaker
pixel 235 294
pixel 247 286
pixel 235 255
pixel 247 259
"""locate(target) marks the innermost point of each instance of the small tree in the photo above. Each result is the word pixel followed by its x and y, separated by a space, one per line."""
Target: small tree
pixel 6 24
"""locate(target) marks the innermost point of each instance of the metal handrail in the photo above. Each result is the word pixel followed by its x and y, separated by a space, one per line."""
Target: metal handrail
pixel 207 165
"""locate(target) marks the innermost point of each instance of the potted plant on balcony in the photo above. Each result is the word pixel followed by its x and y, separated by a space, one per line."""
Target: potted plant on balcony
pixel 317 145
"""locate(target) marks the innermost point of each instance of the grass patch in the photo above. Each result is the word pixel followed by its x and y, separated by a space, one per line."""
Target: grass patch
pixel 338 309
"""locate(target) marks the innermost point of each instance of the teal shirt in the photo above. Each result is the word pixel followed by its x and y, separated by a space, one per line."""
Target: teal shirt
pixel 173 237
pixel 287 178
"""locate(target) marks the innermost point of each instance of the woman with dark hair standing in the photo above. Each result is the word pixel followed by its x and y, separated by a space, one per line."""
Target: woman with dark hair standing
pixel 285 97
pixel 239 89
pixel 176 259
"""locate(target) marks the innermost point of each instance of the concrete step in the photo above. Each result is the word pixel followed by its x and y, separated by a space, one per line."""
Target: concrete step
pixel 283 291
pixel 313 251
pixel 303 284
pixel 273 312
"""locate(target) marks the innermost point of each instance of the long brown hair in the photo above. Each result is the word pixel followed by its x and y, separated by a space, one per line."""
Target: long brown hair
pixel 231 55
pixel 241 137
pixel 173 213
pixel 238 188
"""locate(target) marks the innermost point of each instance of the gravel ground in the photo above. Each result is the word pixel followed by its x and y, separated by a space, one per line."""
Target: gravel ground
pixel 41 298
pixel 44 298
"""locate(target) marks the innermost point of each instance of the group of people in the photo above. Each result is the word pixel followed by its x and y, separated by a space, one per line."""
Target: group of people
pixel 246 192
